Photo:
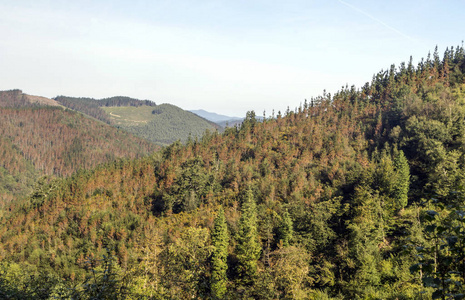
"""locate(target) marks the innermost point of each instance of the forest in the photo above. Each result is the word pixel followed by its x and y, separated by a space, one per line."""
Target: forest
pixel 38 140
pixel 352 195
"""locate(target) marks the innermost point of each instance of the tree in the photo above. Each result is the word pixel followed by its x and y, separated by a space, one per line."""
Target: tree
pixel 185 265
pixel 366 229
pixel 220 241
pixel 248 247
pixel 403 180
pixel 441 260
pixel 285 229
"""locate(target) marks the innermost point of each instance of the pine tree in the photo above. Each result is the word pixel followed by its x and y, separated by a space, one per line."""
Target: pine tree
pixel 285 229
pixel 220 241
pixel 403 180
pixel 248 246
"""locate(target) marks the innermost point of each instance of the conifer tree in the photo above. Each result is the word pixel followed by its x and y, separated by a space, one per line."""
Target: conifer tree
pixel 248 246
pixel 220 240
pixel 285 229
pixel 403 180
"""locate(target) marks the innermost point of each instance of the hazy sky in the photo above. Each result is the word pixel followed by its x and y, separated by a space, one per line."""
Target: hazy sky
pixel 223 56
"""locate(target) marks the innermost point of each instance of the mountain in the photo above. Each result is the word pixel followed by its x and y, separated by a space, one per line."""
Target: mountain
pixel 230 123
pixel 356 195
pixel 93 107
pixel 40 137
pixel 161 124
pixel 214 117
pixel 222 120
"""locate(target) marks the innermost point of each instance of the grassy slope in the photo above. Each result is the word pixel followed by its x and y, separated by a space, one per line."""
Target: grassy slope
pixel 162 124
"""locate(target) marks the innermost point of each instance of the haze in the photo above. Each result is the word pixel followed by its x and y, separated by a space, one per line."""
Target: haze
pixel 222 56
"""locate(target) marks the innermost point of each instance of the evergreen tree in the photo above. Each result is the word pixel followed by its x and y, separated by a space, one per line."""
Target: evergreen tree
pixel 285 229
pixel 248 246
pixel 403 180
pixel 220 240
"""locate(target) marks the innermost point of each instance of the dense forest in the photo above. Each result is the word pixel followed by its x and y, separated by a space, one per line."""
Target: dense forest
pixel 37 140
pixel 356 195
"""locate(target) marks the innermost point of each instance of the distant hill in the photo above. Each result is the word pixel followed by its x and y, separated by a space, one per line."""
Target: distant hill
pixel 37 139
pixel 93 107
pixel 214 117
pixel 16 98
pixel 161 124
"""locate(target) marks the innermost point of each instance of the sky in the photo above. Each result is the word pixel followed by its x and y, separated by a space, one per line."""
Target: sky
pixel 227 57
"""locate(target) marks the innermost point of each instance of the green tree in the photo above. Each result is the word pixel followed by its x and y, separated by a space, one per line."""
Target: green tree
pixel 248 246
pixel 220 241
pixel 403 180
pixel 366 229
pixel 441 260
pixel 285 229
pixel 185 265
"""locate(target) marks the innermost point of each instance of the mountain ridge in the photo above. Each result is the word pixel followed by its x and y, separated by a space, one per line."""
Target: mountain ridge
pixel 214 117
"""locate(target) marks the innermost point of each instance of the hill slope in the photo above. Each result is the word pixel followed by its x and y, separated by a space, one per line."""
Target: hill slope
pixel 325 202
pixel 17 99
pixel 38 140
pixel 93 107
pixel 161 124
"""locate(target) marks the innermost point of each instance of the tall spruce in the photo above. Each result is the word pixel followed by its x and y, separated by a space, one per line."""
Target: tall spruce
pixel 286 230
pixel 220 241
pixel 403 180
pixel 248 246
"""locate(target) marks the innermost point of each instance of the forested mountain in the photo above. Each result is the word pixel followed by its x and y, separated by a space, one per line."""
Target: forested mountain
pixel 356 195
pixel 37 139
pixel 161 124
pixel 93 107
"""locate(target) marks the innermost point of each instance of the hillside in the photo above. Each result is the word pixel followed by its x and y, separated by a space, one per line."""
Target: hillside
pixel 17 99
pixel 93 107
pixel 356 195
pixel 38 140
pixel 161 124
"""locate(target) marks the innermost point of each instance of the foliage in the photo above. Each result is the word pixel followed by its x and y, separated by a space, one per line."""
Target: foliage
pixel 248 248
pixel 319 203
pixel 105 281
pixel 45 140
pixel 441 259
pixel 220 242
pixel 403 180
